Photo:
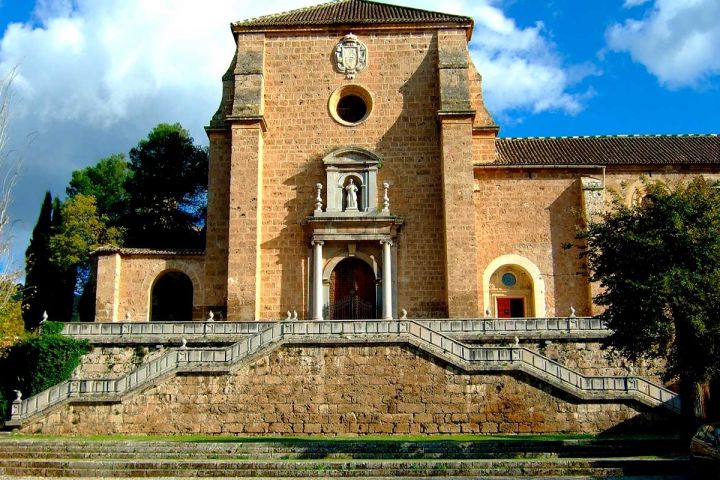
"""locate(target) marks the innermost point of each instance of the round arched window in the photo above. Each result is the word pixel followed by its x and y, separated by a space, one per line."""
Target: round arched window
pixel 350 105
pixel 509 279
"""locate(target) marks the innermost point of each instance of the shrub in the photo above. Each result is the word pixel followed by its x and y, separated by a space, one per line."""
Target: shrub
pixel 38 362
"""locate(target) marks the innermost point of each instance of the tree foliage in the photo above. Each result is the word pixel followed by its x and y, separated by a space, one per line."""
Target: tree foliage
pixel 167 190
pixel 38 362
pixel 106 182
pixel 11 321
pixel 81 231
pixel 158 200
pixel 658 264
pixel 38 270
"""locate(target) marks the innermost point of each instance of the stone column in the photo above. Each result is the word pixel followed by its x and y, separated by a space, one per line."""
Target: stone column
pixel 386 280
pixel 317 284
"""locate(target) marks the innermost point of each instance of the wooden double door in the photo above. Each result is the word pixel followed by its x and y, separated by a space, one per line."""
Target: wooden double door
pixel 352 291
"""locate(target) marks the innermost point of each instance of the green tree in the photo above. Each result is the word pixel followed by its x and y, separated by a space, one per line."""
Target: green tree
pixel 106 182
pixel 81 231
pixel 61 296
pixel 658 264
pixel 11 321
pixel 167 190
pixel 38 271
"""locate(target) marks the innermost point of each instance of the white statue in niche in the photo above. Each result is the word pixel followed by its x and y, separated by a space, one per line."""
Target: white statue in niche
pixel 351 190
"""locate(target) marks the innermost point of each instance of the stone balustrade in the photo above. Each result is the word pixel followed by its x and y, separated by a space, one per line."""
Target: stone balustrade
pixel 585 328
pixel 423 336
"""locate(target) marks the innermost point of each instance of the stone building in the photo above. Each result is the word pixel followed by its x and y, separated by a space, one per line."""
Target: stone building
pixel 356 173
pixel 449 221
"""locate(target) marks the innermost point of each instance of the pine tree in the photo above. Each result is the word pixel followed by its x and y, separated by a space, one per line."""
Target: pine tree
pixel 38 270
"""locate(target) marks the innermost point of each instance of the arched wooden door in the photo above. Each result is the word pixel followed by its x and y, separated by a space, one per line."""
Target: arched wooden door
pixel 352 291
pixel 172 298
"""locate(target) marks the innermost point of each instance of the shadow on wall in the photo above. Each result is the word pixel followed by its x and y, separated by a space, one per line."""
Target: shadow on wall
pixel 570 283
pixel 290 246
pixel 410 150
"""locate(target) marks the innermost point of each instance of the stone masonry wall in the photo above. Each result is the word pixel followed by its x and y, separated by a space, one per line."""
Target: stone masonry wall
pixel 346 390
pixel 402 129
pixel 113 362
pixel 534 214
pixel 138 274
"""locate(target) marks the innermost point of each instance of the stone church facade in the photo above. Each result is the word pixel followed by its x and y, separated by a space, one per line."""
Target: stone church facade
pixel 356 174
pixel 388 98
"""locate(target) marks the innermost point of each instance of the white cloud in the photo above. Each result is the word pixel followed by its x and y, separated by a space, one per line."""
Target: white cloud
pixel 676 41
pixel 96 76
pixel 521 69
pixel 634 3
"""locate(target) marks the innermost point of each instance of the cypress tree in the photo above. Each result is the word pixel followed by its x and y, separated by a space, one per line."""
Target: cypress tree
pixel 38 271
pixel 61 294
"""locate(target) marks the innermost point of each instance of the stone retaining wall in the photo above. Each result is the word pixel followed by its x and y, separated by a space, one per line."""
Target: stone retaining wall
pixel 348 390
pixel 113 362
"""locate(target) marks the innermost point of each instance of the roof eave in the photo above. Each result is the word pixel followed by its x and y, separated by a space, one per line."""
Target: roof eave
pixel 238 29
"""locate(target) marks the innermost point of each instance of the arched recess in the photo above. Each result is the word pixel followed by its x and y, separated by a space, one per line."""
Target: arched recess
pixel 517 266
pixel 351 162
pixel 361 261
pixel 171 297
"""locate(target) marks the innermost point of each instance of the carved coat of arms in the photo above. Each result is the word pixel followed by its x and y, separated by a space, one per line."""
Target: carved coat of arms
pixel 350 56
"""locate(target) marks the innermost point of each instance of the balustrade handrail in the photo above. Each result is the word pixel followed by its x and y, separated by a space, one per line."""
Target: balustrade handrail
pixel 425 337
pixel 470 325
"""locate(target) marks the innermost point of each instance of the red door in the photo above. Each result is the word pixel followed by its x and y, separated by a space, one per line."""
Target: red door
pixel 510 307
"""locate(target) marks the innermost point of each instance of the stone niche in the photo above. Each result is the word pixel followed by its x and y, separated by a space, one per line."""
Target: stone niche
pixel 347 169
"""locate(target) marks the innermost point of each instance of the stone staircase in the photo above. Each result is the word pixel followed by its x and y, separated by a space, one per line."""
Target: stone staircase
pixel 296 458
pixel 422 336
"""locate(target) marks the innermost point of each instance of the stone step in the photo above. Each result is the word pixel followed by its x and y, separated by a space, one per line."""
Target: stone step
pixel 459 477
pixel 346 468
pixel 337 449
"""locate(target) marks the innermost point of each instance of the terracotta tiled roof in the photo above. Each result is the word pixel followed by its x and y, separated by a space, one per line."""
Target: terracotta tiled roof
pixel 351 12
pixel 106 249
pixel 610 150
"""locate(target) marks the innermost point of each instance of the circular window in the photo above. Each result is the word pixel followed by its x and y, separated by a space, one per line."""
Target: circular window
pixel 509 279
pixel 350 105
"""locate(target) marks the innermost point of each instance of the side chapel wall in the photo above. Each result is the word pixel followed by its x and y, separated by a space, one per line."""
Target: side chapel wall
pixel 533 213
pixel 123 294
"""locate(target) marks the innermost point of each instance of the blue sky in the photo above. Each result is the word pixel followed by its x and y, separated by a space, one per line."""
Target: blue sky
pixel 94 76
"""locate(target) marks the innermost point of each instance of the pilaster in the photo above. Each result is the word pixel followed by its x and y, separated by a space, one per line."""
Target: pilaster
pixel 245 180
pixel 593 204
pixel 107 293
pixel 456 136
